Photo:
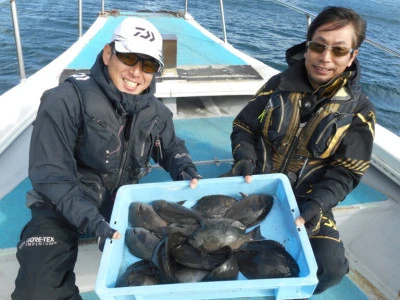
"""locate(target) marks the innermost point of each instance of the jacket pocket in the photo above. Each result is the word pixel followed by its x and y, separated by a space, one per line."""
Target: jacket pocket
pixel 147 134
pixel 275 124
pixel 100 146
pixel 281 120
pixel 328 134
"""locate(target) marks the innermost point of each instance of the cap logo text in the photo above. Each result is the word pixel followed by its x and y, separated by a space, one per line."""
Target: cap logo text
pixel 145 34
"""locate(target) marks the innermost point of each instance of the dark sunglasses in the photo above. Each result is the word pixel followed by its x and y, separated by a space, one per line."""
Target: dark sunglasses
pixel 335 50
pixel 130 59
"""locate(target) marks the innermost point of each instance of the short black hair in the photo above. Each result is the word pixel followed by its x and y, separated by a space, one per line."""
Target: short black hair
pixel 339 17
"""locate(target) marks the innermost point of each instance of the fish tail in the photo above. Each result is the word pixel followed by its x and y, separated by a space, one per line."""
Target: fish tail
pixel 255 234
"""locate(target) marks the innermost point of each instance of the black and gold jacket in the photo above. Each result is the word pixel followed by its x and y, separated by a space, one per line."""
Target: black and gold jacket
pixel 321 139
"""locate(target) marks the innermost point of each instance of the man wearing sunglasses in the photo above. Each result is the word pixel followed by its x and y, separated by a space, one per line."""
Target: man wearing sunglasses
pixel 313 123
pixel 94 133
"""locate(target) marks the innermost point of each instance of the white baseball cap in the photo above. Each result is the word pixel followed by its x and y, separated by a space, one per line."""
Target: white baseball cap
pixel 136 35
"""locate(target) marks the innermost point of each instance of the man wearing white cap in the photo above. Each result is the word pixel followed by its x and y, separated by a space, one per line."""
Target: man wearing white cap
pixel 94 133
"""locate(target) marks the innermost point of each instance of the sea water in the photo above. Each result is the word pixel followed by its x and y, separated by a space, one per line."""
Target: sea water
pixel 260 28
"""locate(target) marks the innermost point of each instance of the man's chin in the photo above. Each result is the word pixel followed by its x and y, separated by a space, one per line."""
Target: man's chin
pixel 318 81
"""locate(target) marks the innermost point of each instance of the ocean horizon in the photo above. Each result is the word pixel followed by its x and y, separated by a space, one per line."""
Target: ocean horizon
pixel 262 29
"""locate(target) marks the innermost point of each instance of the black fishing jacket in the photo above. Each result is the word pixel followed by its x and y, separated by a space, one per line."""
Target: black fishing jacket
pixel 89 139
pixel 321 139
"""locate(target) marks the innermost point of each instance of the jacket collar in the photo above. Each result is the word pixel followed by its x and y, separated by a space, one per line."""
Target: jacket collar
pixel 295 78
pixel 124 103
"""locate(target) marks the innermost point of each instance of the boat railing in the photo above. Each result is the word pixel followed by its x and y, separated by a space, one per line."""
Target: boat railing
pixel 307 14
pixel 221 5
pixel 17 40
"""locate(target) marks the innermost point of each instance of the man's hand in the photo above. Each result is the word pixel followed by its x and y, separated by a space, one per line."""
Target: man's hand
pixel 191 174
pixel 311 215
pixel 103 232
pixel 245 168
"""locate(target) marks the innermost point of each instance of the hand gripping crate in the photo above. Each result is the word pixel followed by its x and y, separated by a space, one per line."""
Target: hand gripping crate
pixel 278 225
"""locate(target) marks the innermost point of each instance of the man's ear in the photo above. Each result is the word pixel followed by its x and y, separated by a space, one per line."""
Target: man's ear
pixel 353 56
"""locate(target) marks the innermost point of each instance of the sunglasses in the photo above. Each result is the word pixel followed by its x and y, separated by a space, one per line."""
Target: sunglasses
pixel 335 50
pixel 130 59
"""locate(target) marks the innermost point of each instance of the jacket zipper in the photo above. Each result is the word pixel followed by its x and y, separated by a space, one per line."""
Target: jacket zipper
pixel 121 166
pixel 302 170
pixel 282 114
pixel 126 145
pixel 290 152
pixel 309 124
pixel 147 134
pixel 158 145
pixel 293 141
pixel 101 123
pixel 307 175
pixel 327 126
pixel 264 155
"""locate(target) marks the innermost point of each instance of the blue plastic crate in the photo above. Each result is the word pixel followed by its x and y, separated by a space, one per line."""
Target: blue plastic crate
pixel 278 225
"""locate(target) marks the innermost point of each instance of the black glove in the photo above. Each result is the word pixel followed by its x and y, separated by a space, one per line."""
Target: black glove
pixel 188 174
pixel 243 167
pixel 311 212
pixel 103 231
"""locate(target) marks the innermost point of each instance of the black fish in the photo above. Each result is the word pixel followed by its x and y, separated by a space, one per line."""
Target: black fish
pixel 212 237
pixel 185 274
pixel 186 255
pixel 168 269
pixel 141 242
pixel 173 212
pixel 138 274
pixel 185 229
pixel 251 210
pixel 143 215
pixel 162 262
pixel 228 270
pixel 225 221
pixel 214 206
pixel 266 259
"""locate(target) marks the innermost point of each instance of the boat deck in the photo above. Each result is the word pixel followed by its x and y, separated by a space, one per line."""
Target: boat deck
pixel 200 58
